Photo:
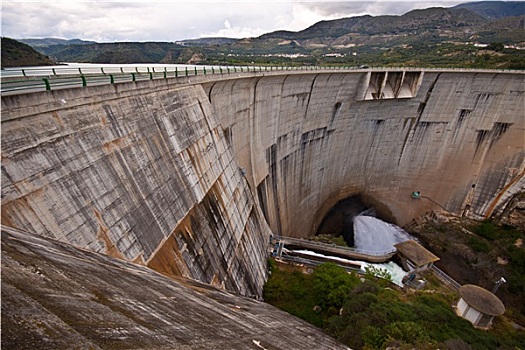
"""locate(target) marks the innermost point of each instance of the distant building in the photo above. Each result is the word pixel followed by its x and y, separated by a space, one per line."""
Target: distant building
pixel 479 306
pixel 416 256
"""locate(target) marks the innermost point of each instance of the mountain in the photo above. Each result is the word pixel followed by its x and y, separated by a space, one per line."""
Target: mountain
pixel 372 37
pixel 207 41
pixel 507 30
pixel 367 30
pixel 17 54
pixel 495 9
pixel 54 41
pixel 121 52
pixel 416 20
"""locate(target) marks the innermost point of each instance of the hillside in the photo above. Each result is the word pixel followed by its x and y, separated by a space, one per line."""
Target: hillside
pixel 433 37
pixel 208 41
pixel 17 54
pixel 413 22
pixel 495 9
pixel 121 53
pixel 432 25
pixel 54 41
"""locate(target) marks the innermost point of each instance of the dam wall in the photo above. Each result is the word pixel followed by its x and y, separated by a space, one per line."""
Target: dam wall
pixel 191 176
pixel 57 297
pixel 308 141
pixel 141 173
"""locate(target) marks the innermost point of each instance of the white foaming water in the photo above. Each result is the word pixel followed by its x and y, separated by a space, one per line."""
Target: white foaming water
pixel 396 272
pixel 376 235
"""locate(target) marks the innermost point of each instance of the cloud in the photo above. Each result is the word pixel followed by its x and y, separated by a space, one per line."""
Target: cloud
pixel 94 21
pixel 138 21
pixel 106 21
pixel 375 8
pixel 231 31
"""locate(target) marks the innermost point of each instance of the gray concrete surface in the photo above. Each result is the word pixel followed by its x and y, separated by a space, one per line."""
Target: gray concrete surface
pixel 55 296
pixel 310 140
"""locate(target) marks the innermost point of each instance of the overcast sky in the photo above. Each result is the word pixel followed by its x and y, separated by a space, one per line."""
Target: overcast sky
pixel 107 21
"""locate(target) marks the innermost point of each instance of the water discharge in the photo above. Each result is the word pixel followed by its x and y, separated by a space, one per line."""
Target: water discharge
pixel 373 234
pixel 395 271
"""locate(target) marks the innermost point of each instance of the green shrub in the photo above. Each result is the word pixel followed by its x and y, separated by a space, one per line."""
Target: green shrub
pixel 359 303
pixel 372 271
pixel 517 259
pixel 339 240
pixel 332 285
pixel 478 245
pixel 496 46
pixel 366 287
pixel 373 337
pixel 486 229
pixel 408 332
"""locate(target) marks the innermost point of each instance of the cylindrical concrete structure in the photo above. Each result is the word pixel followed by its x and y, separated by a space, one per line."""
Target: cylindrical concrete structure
pixel 478 305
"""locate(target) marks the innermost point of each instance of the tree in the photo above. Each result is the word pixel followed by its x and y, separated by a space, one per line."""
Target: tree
pixel 498 47
pixel 332 285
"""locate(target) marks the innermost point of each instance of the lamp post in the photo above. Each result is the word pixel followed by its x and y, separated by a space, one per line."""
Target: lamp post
pixel 498 283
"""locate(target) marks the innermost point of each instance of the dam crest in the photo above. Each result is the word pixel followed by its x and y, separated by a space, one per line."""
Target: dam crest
pixel 191 177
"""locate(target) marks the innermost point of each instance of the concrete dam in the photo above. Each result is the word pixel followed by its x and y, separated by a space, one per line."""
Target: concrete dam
pixel 192 175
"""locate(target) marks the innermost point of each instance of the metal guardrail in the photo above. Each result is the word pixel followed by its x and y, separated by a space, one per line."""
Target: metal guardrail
pixel 445 278
pixel 90 69
pixel 24 80
pixel 303 242
pixel 311 262
pixel 139 69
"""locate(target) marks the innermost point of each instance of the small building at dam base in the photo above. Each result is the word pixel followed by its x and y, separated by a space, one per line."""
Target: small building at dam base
pixel 479 306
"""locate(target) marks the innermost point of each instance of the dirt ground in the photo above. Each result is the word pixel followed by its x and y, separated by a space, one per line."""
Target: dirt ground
pixel 450 238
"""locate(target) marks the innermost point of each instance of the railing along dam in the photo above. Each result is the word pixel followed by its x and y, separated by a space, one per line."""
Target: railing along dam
pixel 333 250
pixel 190 175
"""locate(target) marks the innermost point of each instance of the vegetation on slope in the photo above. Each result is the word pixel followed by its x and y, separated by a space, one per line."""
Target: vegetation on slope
pixel 495 9
pixel 54 41
pixel 480 253
pixel 374 314
pixel 121 53
pixel 17 54
pixel 444 55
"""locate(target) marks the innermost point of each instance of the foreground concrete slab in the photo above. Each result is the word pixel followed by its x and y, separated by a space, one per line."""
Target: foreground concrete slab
pixel 55 296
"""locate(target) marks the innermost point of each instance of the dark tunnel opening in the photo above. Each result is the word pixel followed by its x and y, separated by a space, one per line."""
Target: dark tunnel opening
pixel 338 222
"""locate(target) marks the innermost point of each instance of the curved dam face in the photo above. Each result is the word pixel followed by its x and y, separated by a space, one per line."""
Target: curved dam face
pixel 191 177
pixel 308 141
